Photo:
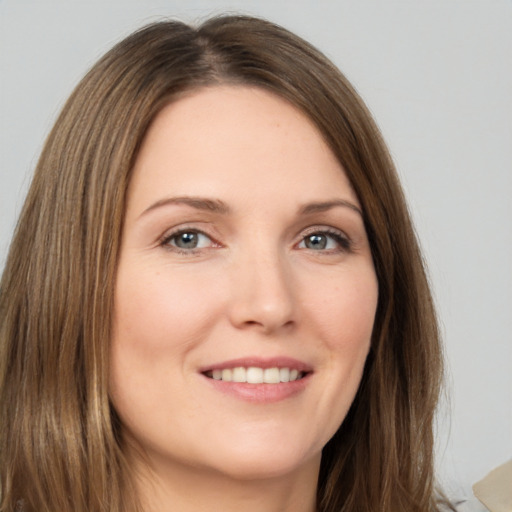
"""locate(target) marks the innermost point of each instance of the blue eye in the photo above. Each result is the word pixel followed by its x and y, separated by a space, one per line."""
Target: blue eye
pixel 324 241
pixel 188 239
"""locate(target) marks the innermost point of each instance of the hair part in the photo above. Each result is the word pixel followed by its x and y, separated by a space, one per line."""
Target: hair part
pixel 61 445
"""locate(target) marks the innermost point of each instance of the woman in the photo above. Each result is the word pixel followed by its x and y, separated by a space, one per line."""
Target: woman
pixel 214 296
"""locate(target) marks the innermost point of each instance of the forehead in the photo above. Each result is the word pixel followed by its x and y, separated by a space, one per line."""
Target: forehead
pixel 239 141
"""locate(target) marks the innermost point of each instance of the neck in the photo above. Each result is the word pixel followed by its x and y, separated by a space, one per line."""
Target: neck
pixel 185 489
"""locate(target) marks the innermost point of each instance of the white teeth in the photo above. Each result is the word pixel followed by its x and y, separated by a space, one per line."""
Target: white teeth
pixel 284 374
pixel 255 375
pixel 239 375
pixel 226 375
pixel 271 376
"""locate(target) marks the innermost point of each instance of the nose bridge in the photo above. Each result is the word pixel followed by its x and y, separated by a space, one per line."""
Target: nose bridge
pixel 263 294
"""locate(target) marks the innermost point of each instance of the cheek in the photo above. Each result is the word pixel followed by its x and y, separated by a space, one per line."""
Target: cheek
pixel 161 311
pixel 159 317
pixel 343 318
pixel 345 310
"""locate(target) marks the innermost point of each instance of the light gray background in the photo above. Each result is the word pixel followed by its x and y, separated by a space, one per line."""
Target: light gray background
pixel 438 77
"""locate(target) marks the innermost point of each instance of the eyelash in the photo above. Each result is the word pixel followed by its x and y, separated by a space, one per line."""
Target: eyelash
pixel 343 242
pixel 168 237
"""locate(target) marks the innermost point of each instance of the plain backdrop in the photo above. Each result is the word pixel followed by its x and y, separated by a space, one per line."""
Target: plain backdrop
pixel 438 77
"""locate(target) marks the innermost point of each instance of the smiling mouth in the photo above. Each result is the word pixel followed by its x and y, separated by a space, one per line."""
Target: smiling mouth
pixel 256 375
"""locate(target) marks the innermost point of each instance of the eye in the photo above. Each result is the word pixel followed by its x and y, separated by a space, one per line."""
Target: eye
pixel 325 241
pixel 189 239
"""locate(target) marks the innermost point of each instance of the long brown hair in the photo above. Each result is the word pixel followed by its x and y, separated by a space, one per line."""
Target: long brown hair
pixel 60 440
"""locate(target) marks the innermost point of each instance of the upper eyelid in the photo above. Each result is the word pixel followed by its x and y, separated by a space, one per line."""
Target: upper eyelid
pixel 183 228
pixel 164 242
pixel 324 229
pixel 311 229
pixel 173 232
pixel 341 238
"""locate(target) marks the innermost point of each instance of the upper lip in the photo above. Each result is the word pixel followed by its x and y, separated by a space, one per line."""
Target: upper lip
pixel 260 362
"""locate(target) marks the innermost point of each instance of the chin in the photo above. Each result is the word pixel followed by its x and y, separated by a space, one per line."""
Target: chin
pixel 264 461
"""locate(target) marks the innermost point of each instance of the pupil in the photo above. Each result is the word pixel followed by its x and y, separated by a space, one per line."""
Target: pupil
pixel 187 240
pixel 316 242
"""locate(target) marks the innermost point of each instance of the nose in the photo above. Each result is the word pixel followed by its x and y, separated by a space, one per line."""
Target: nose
pixel 263 296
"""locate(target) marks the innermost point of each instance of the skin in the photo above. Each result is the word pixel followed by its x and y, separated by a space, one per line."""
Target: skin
pixel 256 285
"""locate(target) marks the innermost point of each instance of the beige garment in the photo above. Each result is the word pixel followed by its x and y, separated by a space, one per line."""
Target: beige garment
pixel 495 490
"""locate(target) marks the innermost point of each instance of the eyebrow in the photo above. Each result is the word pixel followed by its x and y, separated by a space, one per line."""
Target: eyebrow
pixel 199 203
pixel 218 206
pixel 328 205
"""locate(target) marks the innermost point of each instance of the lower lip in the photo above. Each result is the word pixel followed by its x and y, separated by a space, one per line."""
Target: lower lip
pixel 260 393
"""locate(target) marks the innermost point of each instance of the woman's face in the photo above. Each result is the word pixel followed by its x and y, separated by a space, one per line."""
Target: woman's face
pixel 246 292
